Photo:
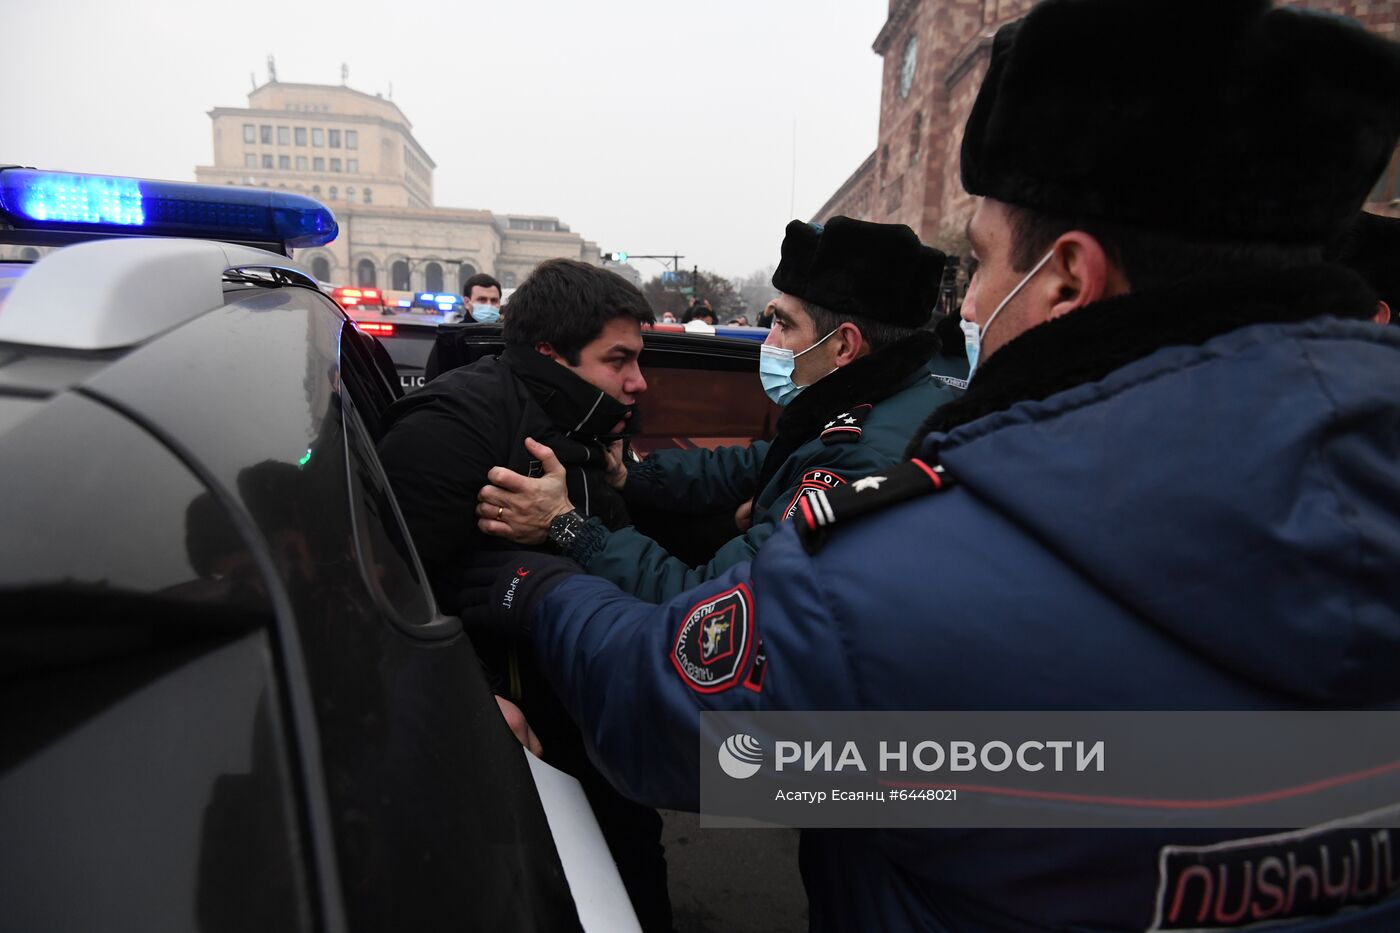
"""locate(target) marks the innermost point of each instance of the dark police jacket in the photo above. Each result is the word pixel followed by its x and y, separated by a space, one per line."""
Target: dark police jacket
pixel 850 424
pixel 1182 500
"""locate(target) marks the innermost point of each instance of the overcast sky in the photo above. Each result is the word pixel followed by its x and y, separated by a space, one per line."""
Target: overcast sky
pixel 646 126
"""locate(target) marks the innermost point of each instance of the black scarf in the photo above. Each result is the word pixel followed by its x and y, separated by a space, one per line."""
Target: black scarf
pixel 1088 344
pixel 581 411
pixel 868 380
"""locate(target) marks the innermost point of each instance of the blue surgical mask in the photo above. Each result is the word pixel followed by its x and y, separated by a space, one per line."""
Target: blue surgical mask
pixel 775 366
pixel 973 336
pixel 486 314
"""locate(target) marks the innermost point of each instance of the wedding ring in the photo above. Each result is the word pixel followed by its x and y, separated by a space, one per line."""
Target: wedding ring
pixel 500 510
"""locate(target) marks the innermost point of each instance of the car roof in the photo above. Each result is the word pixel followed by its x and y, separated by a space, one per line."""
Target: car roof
pixel 108 294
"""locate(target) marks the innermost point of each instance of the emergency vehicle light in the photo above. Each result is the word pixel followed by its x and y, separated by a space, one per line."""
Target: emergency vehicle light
pixel 37 200
pixel 379 330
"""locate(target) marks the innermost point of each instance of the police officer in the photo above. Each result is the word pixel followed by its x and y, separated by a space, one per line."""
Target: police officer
pixel 847 360
pixel 1173 481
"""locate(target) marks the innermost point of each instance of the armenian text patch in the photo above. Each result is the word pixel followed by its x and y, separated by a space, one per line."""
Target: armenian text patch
pixel 715 640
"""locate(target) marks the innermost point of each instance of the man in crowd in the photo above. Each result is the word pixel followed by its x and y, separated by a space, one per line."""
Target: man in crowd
pixel 846 359
pixel 569 377
pixel 1171 484
pixel 483 294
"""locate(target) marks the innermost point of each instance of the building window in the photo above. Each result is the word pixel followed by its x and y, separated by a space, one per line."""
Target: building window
pixel 250 133
pixel 284 162
pixel 284 136
pixel 318 137
pixel 321 268
pixel 352 165
pixel 467 271
pixel 319 163
pixel 350 193
pixel 267 161
pixel 334 192
pixel 352 139
pixel 916 137
pixel 267 135
pixel 301 136
pixel 398 275
pixel 335 139
pixel 316 190
pixel 335 165
pixel 432 277
pixel 364 273
pixel 250 160
pixel 368 196
pixel 301 163
pixel 508 280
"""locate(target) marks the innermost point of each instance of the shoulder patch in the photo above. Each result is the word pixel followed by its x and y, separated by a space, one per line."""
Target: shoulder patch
pixel 715 640
pixel 845 428
pixel 812 481
pixel 822 510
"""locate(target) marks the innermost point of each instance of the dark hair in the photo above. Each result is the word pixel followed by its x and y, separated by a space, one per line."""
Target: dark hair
pixel 1151 259
pixel 877 334
pixel 566 304
pixel 482 279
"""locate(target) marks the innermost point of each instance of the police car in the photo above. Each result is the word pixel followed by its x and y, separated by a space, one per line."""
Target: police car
pixel 230 701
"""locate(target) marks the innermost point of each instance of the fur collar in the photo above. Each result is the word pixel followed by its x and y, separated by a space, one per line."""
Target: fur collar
pixel 868 380
pixel 1090 343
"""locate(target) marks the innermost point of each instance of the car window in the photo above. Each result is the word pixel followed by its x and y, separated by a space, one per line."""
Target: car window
pixel 387 560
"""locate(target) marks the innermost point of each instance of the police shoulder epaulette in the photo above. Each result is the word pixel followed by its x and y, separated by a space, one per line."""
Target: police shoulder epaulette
pixel 845 428
pixel 822 509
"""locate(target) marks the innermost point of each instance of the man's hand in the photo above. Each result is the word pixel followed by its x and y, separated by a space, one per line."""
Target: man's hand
pixel 501 587
pixel 743 517
pixel 520 508
pixel 519 727
pixel 615 466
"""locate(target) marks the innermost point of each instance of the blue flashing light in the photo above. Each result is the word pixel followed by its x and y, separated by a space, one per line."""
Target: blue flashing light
pixel 427 296
pixel 450 299
pixel 446 306
pixel 405 303
pixel 100 203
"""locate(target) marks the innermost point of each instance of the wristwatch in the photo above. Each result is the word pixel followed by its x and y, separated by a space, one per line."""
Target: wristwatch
pixel 565 529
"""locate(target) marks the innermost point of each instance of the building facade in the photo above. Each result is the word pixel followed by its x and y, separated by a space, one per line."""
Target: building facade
pixel 935 55
pixel 356 153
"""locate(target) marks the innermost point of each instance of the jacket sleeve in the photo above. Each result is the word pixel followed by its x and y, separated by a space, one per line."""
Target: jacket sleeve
pixel 696 481
pixel 643 568
pixel 631 673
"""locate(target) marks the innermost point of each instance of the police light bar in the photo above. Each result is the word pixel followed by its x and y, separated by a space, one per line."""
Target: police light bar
pixel 379 330
pixel 59 201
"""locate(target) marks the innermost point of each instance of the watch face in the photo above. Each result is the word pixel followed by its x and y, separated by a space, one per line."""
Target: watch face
pixel 911 62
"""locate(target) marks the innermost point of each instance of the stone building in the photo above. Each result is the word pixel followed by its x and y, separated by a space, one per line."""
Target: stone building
pixel 356 153
pixel 935 55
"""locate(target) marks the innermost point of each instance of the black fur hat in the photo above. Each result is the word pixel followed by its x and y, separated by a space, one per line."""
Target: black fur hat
pixel 1222 120
pixel 876 271
pixel 1371 246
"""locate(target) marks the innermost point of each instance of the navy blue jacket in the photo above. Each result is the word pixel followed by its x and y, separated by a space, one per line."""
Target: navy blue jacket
pixel 1210 526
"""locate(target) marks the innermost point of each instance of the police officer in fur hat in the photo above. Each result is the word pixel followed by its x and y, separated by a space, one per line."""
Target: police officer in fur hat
pixel 846 359
pixel 1173 484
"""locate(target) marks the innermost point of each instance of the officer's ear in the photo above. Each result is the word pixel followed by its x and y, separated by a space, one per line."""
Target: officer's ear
pixel 850 344
pixel 1079 274
pixel 1382 315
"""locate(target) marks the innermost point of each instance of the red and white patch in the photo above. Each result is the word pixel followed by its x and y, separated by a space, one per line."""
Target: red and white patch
pixel 812 481
pixel 715 640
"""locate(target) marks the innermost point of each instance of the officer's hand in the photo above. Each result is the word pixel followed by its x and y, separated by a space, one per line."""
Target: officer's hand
pixel 615 466
pixel 743 517
pixel 501 587
pixel 519 727
pixel 520 508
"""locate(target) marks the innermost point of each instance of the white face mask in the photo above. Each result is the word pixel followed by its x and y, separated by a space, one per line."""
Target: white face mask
pixel 973 336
